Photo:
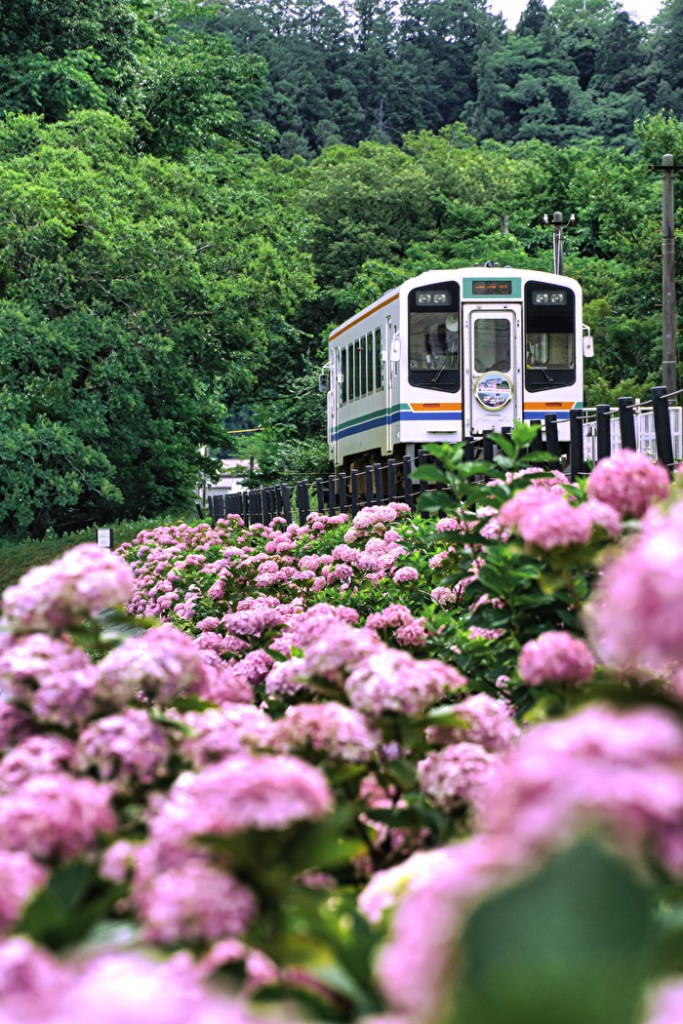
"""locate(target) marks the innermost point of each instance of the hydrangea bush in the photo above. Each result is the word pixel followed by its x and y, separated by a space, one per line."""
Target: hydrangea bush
pixel 403 767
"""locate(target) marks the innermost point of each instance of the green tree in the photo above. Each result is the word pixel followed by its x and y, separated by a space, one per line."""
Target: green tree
pixel 138 298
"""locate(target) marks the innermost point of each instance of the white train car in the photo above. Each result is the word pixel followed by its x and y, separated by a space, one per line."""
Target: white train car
pixel 453 353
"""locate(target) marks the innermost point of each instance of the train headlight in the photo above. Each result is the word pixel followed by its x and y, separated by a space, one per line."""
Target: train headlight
pixel 549 297
pixel 433 298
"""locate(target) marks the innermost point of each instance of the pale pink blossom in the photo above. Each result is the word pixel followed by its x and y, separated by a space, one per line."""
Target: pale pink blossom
pixel 342 733
pixel 126 749
pixel 628 481
pixel 217 732
pixel 20 878
pixel 389 680
pixel 50 598
pixel 243 792
pixel 459 772
pixel 665 1002
pixel 55 816
pixel 633 617
pixel 555 657
pixel 195 902
pixel 36 755
pixel 406 574
pixel 163 663
pixel 482 719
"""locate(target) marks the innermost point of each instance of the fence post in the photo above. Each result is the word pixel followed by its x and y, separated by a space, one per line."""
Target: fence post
pixel 537 443
pixel 320 494
pixel 244 507
pixel 331 493
pixel 576 460
pixel 408 481
pixel 487 446
pixel 468 451
pixel 342 493
pixel 602 426
pixel 660 408
pixel 302 501
pixel 355 504
pixel 391 480
pixel 287 502
pixel 422 460
pixel 627 423
pixel 552 439
pixel 379 484
pixel 369 492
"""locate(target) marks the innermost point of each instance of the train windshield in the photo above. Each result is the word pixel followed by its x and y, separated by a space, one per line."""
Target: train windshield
pixel 550 347
pixel 434 338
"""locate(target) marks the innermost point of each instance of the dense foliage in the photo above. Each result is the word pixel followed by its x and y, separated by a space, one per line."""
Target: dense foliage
pixel 417 768
pixel 376 69
pixel 170 263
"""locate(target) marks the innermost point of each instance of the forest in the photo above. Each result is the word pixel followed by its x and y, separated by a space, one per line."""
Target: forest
pixel 192 194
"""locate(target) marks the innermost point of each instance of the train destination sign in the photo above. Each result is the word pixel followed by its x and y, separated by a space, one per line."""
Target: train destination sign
pixel 491 287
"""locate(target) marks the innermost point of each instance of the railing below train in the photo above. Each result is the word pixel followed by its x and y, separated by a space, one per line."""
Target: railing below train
pixel 654 428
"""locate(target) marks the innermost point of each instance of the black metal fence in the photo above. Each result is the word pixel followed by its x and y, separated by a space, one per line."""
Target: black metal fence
pixel 392 480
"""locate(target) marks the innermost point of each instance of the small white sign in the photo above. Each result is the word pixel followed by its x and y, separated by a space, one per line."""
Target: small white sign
pixel 105 538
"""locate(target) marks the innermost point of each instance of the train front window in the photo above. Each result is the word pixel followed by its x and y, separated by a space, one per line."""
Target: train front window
pixel 550 350
pixel 434 337
pixel 492 345
pixel 550 345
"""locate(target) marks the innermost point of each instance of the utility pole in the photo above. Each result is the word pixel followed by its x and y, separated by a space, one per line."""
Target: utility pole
pixel 558 237
pixel 668 276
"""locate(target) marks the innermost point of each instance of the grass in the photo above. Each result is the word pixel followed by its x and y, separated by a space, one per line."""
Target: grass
pixel 17 557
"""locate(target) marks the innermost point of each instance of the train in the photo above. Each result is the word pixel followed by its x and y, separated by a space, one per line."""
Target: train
pixel 452 354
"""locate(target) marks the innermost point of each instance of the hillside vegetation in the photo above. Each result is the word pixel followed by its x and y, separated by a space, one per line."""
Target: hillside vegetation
pixel 181 220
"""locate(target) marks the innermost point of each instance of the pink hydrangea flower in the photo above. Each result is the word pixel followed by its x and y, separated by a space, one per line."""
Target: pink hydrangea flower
pixel 243 792
pixel 31 979
pixel 628 481
pixel 341 732
pixel 127 749
pixel 16 725
pixel 20 879
pixel 163 663
pixel 218 732
pixel 633 618
pixel 620 771
pixel 545 519
pixel 393 681
pixel 555 657
pixel 81 583
pixel 406 574
pixel 459 772
pixel 665 1003
pixel 55 816
pixel 485 720
pixel 195 902
pixel 36 755
pixel 53 678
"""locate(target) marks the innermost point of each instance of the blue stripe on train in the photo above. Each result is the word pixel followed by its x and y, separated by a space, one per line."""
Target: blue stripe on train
pixel 402 416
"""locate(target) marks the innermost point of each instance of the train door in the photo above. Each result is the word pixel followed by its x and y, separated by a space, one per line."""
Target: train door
pixel 334 397
pixel 390 364
pixel 493 396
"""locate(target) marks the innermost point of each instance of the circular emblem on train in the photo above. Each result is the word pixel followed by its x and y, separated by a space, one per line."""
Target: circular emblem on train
pixel 493 390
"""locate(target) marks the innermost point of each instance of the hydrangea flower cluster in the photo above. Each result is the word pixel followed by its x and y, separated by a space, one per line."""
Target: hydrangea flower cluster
pixel 556 657
pixel 629 482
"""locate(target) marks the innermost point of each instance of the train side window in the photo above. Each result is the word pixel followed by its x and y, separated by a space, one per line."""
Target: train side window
pixel 371 362
pixel 343 376
pixel 378 358
pixel 350 364
pixel 363 355
pixel 356 369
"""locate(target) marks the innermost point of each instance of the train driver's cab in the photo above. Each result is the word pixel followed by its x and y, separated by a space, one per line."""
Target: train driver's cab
pixel 434 338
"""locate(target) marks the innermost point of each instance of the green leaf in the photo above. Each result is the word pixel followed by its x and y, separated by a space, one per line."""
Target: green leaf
pixel 570 945
pixel 429 474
